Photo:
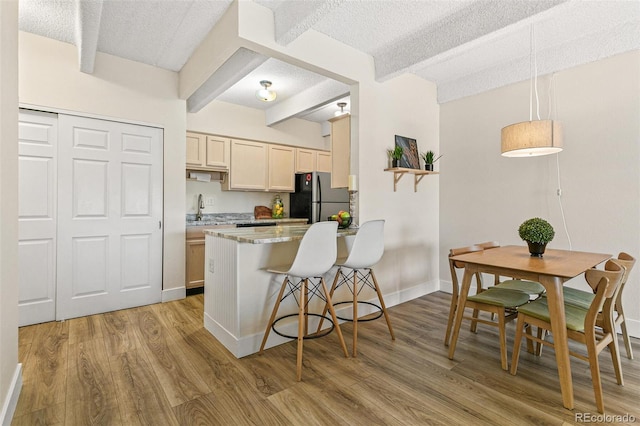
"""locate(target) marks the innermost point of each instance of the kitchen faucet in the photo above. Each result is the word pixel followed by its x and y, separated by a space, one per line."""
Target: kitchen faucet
pixel 200 207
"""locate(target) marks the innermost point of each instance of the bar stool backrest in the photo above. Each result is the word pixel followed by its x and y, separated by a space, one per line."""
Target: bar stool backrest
pixel 317 251
pixel 368 246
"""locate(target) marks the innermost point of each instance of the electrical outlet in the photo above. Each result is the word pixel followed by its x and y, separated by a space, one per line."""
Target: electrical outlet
pixel 211 266
pixel 208 201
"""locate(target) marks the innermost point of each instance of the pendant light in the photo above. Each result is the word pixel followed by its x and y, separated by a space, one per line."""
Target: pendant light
pixel 264 94
pixel 534 137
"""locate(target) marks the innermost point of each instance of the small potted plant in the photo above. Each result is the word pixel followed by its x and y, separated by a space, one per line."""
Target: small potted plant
pixel 537 233
pixel 429 158
pixel 395 155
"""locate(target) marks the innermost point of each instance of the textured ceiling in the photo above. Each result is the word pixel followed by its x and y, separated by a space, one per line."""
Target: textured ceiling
pixel 465 47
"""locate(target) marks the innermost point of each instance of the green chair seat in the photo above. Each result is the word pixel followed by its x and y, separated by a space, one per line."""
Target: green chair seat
pixel 501 297
pixel 579 298
pixel 530 287
pixel 539 309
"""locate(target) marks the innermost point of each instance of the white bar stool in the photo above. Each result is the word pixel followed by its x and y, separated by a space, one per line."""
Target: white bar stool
pixel 356 273
pixel 315 257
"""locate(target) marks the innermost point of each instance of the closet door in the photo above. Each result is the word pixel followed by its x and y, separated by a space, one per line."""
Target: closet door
pixel 37 145
pixel 109 216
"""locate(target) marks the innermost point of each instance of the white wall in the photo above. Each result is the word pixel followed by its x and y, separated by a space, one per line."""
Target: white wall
pixel 121 90
pixel 404 106
pixel 235 121
pixel 486 196
pixel 10 376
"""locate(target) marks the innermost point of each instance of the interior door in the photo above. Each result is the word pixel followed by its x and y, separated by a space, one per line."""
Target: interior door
pixel 109 216
pixel 37 145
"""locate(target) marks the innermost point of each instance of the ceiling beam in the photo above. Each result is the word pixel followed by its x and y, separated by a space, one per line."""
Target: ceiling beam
pixel 319 95
pixel 88 15
pixel 296 17
pixel 241 63
pixel 471 23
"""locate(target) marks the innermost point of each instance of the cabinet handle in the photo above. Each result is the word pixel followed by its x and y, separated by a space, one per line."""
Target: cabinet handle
pixel 159 224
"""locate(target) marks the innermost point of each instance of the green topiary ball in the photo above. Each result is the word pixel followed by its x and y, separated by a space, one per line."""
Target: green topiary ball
pixel 536 230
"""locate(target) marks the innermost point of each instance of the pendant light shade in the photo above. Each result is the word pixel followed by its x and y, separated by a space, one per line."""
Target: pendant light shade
pixel 532 138
pixel 264 94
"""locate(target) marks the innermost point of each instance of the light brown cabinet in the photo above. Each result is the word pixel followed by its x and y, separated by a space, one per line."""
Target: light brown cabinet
pixel 195 262
pixel 340 150
pixel 281 168
pixel 248 166
pixel 206 152
pixel 312 160
pixel 323 161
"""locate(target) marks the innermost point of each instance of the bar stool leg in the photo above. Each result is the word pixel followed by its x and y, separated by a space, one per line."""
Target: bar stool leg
pixel 301 328
pixel 273 313
pixel 355 313
pixel 326 306
pixel 382 305
pixel 335 318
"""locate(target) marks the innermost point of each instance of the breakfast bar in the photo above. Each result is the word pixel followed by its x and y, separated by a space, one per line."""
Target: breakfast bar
pixel 239 292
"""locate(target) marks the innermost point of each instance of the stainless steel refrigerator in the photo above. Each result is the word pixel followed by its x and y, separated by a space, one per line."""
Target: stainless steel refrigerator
pixel 314 198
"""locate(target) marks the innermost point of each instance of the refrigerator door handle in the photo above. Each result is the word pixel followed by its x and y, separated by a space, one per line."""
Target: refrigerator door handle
pixel 319 187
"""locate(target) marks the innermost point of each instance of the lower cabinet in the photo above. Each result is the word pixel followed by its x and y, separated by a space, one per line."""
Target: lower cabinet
pixel 195 263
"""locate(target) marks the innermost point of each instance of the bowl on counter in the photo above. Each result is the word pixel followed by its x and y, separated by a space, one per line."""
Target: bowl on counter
pixel 342 223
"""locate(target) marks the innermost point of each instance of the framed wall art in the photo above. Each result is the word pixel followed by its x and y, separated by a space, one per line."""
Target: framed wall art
pixel 410 158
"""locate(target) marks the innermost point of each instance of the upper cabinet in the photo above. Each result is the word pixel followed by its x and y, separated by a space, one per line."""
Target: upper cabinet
pixel 205 152
pixel 311 160
pixel 282 161
pixel 340 150
pixel 323 161
pixel 248 166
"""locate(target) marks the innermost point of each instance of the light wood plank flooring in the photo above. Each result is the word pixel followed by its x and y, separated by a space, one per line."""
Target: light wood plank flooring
pixel 157 365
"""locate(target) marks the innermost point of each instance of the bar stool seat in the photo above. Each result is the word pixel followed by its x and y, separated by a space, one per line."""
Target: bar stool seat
pixel 303 280
pixel 355 273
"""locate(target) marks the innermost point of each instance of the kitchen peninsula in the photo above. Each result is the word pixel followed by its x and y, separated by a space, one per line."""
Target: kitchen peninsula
pixel 239 292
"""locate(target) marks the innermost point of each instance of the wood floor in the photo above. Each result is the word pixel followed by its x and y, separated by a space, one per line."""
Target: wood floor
pixel 157 365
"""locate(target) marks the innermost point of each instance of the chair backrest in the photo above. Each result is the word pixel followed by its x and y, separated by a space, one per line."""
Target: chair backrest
pixel 368 245
pixel 627 261
pixel 488 245
pixel 604 283
pixel 453 265
pixel 317 251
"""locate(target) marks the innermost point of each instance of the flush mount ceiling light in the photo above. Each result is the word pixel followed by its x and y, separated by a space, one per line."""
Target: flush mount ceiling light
pixel 265 94
pixel 534 137
pixel 342 111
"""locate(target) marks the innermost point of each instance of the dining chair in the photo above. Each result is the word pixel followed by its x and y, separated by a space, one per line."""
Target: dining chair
pixel 532 288
pixel 355 273
pixel 581 325
pixel 455 286
pixel 304 278
pixel 583 299
pixel 498 301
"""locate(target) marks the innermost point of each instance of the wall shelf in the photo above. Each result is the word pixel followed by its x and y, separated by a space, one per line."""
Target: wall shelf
pixel 418 174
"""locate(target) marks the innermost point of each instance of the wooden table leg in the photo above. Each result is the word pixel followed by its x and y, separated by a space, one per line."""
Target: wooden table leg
pixel 555 299
pixel 469 271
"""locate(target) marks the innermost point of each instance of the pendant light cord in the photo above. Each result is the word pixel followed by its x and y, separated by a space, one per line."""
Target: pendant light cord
pixel 534 73
pixel 552 93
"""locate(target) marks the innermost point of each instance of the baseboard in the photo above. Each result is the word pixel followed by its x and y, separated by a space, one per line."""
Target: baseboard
pixel 171 294
pixel 10 403
pixel 633 327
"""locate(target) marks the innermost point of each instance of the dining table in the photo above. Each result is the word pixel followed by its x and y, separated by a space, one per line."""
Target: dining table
pixel 551 270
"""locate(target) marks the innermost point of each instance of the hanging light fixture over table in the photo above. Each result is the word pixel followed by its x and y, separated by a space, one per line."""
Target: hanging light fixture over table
pixel 341 105
pixel 265 94
pixel 534 137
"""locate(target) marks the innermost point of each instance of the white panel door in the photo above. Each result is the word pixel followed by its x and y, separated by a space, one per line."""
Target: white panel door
pixel 37 145
pixel 109 216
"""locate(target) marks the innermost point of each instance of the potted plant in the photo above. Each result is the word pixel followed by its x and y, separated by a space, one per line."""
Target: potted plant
pixel 429 158
pixel 537 233
pixel 395 155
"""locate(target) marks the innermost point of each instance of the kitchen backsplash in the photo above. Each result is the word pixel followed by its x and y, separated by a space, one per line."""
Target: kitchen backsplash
pixel 228 201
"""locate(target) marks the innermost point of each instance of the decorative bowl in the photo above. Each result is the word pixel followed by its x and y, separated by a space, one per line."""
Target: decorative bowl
pixel 344 223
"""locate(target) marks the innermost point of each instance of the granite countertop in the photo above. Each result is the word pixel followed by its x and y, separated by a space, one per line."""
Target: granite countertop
pixel 232 219
pixel 269 234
